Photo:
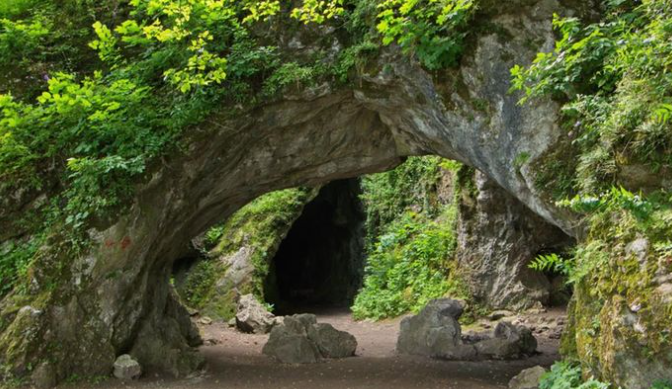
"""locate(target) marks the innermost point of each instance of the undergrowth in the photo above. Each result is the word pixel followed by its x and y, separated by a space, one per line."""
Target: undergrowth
pixel 411 240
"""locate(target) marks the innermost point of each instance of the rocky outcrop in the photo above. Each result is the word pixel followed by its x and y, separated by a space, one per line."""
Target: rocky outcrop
pixel 435 332
pixel 252 317
pixel 301 340
pixel 498 237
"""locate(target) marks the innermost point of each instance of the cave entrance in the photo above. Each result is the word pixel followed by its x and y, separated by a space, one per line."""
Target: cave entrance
pixel 320 263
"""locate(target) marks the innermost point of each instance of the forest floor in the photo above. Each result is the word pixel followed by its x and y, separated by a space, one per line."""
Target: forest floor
pixel 235 361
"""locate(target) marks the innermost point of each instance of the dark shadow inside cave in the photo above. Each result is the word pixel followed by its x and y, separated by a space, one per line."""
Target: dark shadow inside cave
pixel 320 262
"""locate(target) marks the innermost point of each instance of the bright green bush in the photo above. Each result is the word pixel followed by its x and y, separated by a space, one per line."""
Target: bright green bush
pixel 389 194
pixel 565 375
pixel 614 77
pixel 411 240
pixel 662 385
pixel 411 264
pixel 434 30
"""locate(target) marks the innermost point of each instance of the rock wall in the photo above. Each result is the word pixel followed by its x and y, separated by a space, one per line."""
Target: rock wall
pixel 498 237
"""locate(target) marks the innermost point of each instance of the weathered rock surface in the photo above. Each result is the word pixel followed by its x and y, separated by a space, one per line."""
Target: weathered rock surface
pixel 331 342
pixel 435 332
pixel 252 317
pixel 116 296
pixel 301 340
pixel 498 237
pixel 508 342
pixel 127 368
pixel 528 378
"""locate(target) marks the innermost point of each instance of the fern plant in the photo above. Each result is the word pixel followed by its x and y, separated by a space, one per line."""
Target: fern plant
pixel 552 263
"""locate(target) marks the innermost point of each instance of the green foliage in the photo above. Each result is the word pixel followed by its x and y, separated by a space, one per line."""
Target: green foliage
pixel 521 159
pixel 565 375
pixel 15 260
pixel 614 77
pixel 662 385
pixel 389 194
pixel 434 30
pixel 19 39
pixel 551 263
pixel 11 8
pixel 411 234
pixel 616 199
pixel 412 264
pixel 198 285
pixel 289 74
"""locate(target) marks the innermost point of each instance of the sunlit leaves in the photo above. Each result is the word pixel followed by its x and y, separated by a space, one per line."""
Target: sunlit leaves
pixel 615 79
pixel 318 11
pixel 20 38
pixel 432 29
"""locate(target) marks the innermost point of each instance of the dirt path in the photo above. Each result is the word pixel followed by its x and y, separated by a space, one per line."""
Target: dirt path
pixel 235 361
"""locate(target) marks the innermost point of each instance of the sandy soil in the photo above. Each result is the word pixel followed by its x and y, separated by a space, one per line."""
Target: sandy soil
pixel 235 361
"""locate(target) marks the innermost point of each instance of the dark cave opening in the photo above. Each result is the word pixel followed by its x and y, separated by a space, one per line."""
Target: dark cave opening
pixel 320 262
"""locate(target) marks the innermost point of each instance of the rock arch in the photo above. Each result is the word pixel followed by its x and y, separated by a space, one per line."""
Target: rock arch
pixel 118 299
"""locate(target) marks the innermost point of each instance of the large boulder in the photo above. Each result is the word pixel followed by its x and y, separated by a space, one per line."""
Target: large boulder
pixel 331 342
pixel 435 332
pixel 127 368
pixel 528 378
pixel 301 340
pixel 252 317
pixel 509 342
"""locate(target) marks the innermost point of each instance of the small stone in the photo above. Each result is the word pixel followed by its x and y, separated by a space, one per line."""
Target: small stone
pixel 205 320
pixel 127 368
pixel 193 312
pixel 528 378
pixel 300 340
pixel 253 317
pixel 44 376
pixel 211 342
pixel 232 322
pixel 497 315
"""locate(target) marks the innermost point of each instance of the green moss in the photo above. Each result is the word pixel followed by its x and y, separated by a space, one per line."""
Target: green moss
pixel 259 228
pixel 555 172
pixel 616 287
pixel 198 286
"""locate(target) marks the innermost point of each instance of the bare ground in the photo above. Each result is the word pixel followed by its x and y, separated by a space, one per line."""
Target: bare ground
pixel 235 361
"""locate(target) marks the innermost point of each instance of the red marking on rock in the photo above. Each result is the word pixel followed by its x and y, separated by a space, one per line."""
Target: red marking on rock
pixel 125 243
pixel 109 243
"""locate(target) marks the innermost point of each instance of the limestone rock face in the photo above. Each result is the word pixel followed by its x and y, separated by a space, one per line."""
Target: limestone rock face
pixel 498 236
pixel 127 368
pixel 252 317
pixel 528 378
pixel 301 340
